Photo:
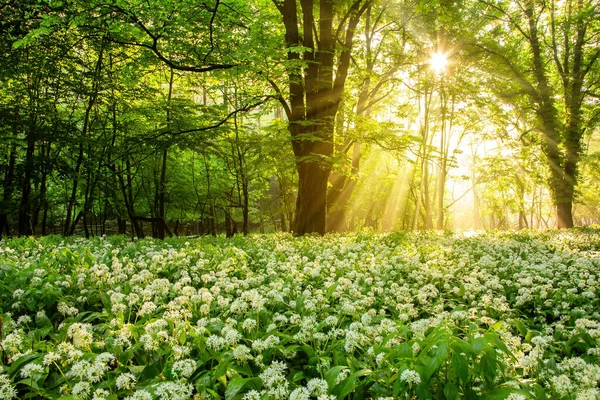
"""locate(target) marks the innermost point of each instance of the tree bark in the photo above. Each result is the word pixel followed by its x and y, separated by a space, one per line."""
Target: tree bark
pixel 24 226
pixel 84 133
pixel 313 105
pixel 8 188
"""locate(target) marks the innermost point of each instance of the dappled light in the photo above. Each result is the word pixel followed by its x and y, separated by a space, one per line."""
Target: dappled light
pixel 298 200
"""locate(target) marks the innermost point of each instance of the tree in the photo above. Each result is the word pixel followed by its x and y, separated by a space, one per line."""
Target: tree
pixel 550 52
pixel 316 73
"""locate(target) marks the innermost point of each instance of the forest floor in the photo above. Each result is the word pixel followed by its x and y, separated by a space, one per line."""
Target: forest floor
pixel 427 315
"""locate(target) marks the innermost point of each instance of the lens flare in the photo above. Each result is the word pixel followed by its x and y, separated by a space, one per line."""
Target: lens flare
pixel 438 62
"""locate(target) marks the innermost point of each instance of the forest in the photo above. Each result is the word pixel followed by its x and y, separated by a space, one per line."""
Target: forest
pixel 181 117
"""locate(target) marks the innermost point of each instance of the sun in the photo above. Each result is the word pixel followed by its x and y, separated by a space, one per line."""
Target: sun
pixel 438 62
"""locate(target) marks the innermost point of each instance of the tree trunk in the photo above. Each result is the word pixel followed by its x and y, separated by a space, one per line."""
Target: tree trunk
pixel 312 198
pixel 314 97
pixel 84 133
pixel 564 213
pixel 5 206
pixel 161 195
pixel 212 221
pixel 24 227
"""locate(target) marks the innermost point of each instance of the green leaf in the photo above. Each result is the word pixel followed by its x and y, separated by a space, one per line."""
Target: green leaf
pixel 503 392
pixel 493 339
pixel 488 366
pixel 331 290
pixel 478 344
pixel 460 366
pixel 349 384
pixel 423 392
pixel 405 350
pixel 520 326
pixel 436 361
pixel 221 369
pixel 20 362
pixel 332 374
pixel 151 371
pixel 450 391
pixel 237 386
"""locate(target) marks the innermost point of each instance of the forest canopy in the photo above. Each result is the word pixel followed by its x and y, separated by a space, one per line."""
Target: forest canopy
pixel 199 117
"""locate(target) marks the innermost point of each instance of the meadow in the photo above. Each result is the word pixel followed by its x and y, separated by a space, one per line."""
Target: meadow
pixel 396 316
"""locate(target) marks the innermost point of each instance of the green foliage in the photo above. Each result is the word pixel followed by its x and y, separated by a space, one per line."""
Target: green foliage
pixel 424 315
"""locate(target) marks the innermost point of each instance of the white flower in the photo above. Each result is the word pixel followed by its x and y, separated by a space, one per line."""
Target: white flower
pixel 147 308
pixel 50 358
pixel 562 384
pixel 300 393
pixel 317 387
pixel 251 395
pixel 174 391
pixel 184 368
pixel 81 334
pixel 81 390
pixel 7 391
pixel 126 381
pixel 249 324
pixel 67 310
pixel 31 369
pixel 140 395
pixel 100 394
pixel 215 342
pixel 410 376
pixel 241 353
pixel 341 376
pixel 274 380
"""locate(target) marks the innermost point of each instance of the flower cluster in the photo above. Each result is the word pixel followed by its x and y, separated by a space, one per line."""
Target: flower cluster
pixel 387 316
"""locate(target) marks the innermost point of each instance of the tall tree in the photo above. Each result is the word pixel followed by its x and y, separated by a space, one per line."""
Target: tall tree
pixel 316 75
pixel 551 51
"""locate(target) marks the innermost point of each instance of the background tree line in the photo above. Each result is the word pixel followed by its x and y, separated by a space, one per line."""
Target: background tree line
pixel 230 116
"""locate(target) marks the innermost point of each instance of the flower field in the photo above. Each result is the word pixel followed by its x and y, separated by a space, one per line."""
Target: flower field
pixel 420 315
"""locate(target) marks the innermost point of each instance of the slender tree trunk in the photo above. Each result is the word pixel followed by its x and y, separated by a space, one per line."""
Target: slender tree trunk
pixel 24 227
pixel 8 183
pixel 212 223
pixel 84 133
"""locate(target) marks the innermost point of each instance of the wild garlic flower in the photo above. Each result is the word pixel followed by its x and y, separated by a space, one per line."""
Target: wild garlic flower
pixel 410 376
pixel 81 334
pixel 174 391
pixel 81 390
pixel 184 368
pixel 300 393
pixel 140 395
pixel 7 390
pixel 31 370
pixel 126 381
pixel 317 387
pixel 100 394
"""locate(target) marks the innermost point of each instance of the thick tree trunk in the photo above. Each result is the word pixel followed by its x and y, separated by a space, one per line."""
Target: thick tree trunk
pixel 564 213
pixel 314 96
pixel 312 198
pixel 245 208
pixel 162 185
pixel 121 226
